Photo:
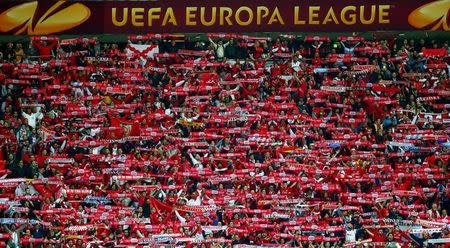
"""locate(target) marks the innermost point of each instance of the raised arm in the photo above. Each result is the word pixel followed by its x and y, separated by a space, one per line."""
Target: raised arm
pixel 212 42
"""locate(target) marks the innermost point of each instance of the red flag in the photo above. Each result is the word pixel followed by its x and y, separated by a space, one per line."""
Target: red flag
pixel 160 206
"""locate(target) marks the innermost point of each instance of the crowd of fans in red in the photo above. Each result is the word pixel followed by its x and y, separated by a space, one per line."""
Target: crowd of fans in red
pixel 237 141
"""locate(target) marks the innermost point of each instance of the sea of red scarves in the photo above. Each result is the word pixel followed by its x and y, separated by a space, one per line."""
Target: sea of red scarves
pixel 290 149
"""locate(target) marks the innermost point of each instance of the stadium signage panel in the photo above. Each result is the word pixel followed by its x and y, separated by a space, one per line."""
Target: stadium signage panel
pixel 246 16
pixel 94 17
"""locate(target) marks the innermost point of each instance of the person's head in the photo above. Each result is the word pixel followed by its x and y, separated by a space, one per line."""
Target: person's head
pixel 434 207
pixel 390 237
pixel 349 226
pixel 413 216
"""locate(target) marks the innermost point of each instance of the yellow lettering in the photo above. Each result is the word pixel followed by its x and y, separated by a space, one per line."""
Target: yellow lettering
pixel 225 17
pixel 137 16
pixel 331 16
pixel 153 14
pixel 169 17
pixel 313 15
pixel 261 12
pixel 297 20
pixel 276 17
pixel 352 16
pixel 373 8
pixel 383 12
pixel 124 17
pixel 238 16
pixel 190 13
pixel 213 16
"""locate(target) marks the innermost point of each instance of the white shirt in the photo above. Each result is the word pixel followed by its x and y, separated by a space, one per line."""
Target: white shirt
pixel 220 49
pixel 20 190
pixel 195 202
pixel 33 118
pixel 350 235
pixel 296 65
pixel 15 239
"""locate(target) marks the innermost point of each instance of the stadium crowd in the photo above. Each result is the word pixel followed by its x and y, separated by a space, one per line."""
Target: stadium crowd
pixel 233 141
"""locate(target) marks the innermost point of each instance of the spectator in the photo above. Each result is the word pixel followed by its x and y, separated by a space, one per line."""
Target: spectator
pixel 19 53
pixel 271 143
pixel 219 48
pixel 44 47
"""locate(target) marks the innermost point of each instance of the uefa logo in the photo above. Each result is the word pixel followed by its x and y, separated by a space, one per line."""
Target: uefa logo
pixel 431 16
pixel 61 16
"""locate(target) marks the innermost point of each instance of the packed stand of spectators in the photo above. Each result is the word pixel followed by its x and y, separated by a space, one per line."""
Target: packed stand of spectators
pixel 233 141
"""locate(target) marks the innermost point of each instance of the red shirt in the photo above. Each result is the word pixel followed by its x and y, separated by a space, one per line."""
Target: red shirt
pixel 45 51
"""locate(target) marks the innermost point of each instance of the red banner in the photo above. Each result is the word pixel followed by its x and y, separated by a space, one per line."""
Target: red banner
pixel 98 17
